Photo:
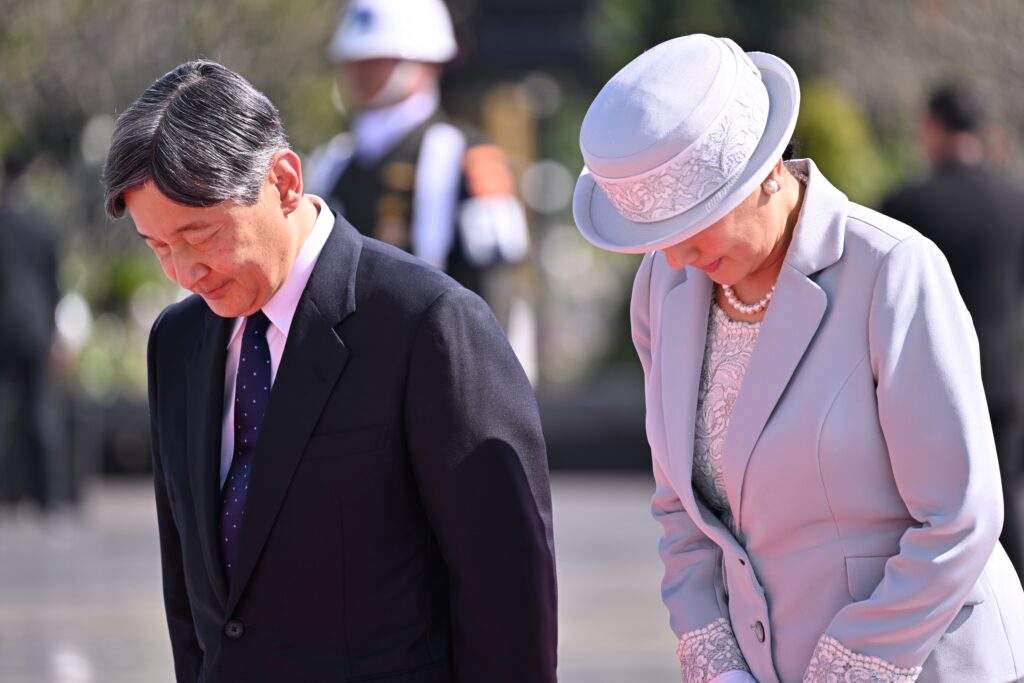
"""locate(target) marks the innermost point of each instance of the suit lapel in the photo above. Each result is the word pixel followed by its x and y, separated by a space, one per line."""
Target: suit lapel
pixel 205 419
pixel 796 311
pixel 789 326
pixel 683 336
pixel 313 359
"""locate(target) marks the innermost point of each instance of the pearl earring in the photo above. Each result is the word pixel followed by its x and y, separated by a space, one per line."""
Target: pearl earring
pixel 771 186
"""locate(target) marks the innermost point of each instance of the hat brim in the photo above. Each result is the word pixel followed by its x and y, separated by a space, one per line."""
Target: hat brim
pixel 603 226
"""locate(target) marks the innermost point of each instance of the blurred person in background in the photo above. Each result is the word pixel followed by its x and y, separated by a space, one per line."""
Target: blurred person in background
pixel 350 474
pixel 35 461
pixel 826 475
pixel 409 175
pixel 975 215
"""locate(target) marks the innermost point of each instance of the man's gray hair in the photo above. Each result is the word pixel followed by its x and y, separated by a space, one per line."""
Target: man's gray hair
pixel 201 133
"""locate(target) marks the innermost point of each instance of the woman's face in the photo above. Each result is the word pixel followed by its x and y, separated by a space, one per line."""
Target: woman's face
pixel 733 248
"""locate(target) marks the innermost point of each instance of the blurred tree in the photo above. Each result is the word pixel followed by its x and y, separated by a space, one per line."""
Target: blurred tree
pixel 622 30
pixel 68 67
pixel 888 55
pixel 63 61
pixel 834 131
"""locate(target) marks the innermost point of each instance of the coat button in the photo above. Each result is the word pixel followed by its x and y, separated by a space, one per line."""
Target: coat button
pixel 234 629
pixel 759 631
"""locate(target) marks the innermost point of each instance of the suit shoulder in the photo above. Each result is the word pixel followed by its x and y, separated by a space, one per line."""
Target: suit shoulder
pixel 181 320
pixel 872 241
pixel 389 276
pixel 876 230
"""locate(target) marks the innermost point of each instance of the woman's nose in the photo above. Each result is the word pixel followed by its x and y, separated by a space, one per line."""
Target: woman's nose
pixel 679 256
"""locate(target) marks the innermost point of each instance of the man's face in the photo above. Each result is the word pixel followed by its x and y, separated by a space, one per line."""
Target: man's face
pixel 233 256
pixel 376 83
pixel 935 139
pixel 367 77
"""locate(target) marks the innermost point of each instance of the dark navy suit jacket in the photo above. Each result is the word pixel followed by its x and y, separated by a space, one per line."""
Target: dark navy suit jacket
pixel 399 517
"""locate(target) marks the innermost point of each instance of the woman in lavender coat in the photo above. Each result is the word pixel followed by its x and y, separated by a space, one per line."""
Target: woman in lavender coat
pixel 825 470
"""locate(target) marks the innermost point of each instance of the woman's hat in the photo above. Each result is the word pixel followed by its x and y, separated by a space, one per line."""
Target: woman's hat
pixel 678 138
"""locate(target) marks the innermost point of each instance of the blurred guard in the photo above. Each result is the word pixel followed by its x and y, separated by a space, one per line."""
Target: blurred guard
pixel 408 175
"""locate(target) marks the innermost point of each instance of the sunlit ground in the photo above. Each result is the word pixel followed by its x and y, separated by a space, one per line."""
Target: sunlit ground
pixel 80 599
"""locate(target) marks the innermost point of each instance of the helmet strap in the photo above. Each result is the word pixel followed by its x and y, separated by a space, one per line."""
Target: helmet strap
pixel 400 85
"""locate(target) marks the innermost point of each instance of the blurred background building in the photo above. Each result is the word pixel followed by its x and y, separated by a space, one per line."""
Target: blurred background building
pixel 525 74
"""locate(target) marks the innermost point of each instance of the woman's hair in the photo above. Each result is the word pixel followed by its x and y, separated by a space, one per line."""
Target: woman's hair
pixel 201 133
pixel 791 149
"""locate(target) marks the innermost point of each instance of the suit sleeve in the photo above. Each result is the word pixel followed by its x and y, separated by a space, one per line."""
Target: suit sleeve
pixel 479 459
pixel 931 407
pixel 188 656
pixel 691 587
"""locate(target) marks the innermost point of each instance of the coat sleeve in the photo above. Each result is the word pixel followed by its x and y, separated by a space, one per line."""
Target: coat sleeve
pixel 479 459
pixel 932 410
pixel 692 585
pixel 188 656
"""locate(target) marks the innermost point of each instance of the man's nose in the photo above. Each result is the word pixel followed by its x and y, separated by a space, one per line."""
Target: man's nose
pixel 188 271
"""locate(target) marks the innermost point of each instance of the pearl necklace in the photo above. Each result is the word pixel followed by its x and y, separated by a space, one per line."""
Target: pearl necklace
pixel 730 296
pixel 747 309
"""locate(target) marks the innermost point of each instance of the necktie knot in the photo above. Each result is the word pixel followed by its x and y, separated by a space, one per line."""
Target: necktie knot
pixel 257 324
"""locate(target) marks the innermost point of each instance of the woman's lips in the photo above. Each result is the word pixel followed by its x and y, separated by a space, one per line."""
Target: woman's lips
pixel 711 267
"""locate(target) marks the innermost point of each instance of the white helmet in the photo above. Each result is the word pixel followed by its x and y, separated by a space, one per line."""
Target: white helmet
pixel 413 30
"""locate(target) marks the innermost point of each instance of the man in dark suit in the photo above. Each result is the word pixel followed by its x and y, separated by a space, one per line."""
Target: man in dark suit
pixel 351 480
pixel 34 458
pixel 976 217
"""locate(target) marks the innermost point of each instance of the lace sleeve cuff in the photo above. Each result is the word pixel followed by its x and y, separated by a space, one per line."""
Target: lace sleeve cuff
pixel 833 662
pixel 709 651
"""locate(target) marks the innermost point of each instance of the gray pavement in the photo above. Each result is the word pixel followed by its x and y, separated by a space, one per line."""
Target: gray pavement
pixel 80 599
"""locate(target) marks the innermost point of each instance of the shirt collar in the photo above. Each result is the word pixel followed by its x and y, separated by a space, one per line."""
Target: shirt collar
pixel 377 131
pixel 280 309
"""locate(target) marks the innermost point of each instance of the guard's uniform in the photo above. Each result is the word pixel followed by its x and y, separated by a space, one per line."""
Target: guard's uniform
pixel 441 193
pixel 409 176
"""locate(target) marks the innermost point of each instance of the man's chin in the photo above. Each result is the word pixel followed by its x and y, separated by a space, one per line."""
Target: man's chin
pixel 224 309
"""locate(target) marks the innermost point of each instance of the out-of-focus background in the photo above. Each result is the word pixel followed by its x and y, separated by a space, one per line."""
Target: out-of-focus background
pixel 79 584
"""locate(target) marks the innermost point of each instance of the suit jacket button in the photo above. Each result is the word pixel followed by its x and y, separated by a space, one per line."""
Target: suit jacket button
pixel 234 629
pixel 759 631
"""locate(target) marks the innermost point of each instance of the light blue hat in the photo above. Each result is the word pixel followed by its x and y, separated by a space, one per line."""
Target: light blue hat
pixel 678 138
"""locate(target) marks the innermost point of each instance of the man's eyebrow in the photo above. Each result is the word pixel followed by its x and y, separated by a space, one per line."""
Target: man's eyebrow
pixel 184 228
pixel 195 225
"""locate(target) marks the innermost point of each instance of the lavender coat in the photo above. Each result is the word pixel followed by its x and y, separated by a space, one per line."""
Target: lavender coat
pixel 859 464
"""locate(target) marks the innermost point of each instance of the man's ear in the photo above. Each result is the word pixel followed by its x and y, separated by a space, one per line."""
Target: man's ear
pixel 286 177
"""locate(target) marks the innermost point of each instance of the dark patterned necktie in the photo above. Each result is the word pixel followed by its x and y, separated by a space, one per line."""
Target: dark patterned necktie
pixel 252 394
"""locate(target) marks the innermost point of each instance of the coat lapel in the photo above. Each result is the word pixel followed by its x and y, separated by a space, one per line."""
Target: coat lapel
pixel 796 311
pixel 313 359
pixel 684 327
pixel 789 326
pixel 205 419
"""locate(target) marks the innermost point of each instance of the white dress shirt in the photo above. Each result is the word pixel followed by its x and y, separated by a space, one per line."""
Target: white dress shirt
pixel 280 310
pixel 377 131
